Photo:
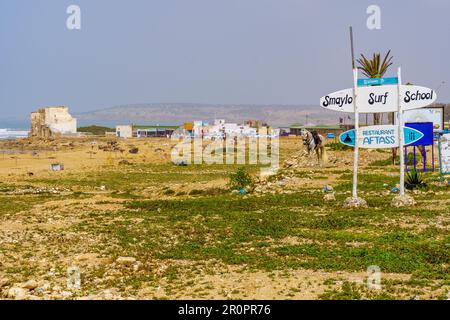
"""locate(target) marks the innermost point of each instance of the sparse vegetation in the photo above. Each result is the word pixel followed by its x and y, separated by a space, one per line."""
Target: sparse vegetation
pixel 183 226
pixel 414 180
pixel 241 179
pixel 96 130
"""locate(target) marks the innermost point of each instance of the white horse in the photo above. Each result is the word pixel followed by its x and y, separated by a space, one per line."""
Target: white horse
pixel 314 142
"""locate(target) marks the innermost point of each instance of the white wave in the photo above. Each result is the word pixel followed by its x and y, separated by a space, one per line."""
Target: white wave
pixel 6 133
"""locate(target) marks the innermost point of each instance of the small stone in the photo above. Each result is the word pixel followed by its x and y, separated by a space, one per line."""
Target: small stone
pixel 90 297
pixel 30 285
pixel 329 197
pixel 4 282
pixel 137 266
pixel 126 261
pixel 17 293
pixel 56 288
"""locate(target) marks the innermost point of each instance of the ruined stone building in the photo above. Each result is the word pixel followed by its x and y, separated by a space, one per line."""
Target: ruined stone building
pixel 52 122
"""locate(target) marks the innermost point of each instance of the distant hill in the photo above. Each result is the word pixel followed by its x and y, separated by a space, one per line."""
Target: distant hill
pixel 179 113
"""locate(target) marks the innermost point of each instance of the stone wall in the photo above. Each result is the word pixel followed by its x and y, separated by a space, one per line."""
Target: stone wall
pixel 51 122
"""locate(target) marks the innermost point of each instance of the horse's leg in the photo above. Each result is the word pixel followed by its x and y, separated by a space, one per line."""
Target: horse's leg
pixel 322 154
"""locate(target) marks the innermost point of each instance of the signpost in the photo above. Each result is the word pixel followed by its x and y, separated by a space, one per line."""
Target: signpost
pixel 375 99
pixel 433 114
pixel 383 136
pixel 444 155
pixel 375 96
pixel 376 82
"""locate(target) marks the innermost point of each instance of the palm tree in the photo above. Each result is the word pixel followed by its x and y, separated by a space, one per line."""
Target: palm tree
pixel 374 68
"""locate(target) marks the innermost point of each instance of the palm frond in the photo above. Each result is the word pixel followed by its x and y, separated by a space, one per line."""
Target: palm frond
pixel 375 67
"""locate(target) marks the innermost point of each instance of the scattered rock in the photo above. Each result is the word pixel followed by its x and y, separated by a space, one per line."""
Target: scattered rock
pixel 45 286
pixel 30 285
pixel 137 266
pixel 329 197
pixel 66 294
pixel 57 288
pixel 134 150
pixel 126 261
pixel 17 293
pixel 124 163
pixel 4 282
pixel 181 163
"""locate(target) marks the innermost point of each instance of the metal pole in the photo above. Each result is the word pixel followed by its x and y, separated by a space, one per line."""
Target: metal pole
pixel 352 48
pixel 401 137
pixel 356 151
pixel 441 176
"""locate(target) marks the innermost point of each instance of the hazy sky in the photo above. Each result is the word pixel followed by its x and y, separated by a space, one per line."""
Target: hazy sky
pixel 207 51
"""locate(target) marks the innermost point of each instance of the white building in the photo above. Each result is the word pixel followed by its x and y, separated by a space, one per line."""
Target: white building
pixel 124 131
pixel 221 129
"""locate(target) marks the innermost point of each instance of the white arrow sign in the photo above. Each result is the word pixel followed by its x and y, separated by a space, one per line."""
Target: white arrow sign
pixel 382 136
pixel 379 99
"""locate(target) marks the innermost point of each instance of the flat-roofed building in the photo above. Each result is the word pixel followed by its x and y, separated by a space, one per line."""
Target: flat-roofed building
pixel 144 131
pixel 324 130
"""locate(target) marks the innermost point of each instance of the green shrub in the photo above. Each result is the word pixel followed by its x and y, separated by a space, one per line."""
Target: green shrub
pixel 196 192
pixel 169 192
pixel 240 179
pixel 384 162
pixel 414 180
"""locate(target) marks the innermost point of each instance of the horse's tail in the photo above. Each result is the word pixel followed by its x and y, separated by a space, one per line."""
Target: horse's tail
pixel 323 152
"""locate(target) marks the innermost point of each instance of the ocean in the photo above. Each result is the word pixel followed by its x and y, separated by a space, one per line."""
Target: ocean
pixel 11 134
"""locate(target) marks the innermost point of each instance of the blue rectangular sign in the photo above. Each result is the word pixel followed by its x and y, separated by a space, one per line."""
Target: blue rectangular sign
pixel 426 128
pixel 376 82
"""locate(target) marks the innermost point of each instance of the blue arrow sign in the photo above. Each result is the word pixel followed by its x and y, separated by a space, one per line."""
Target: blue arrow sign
pixel 383 136
pixel 376 81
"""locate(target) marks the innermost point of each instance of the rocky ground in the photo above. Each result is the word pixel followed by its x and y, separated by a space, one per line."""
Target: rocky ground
pixel 122 222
